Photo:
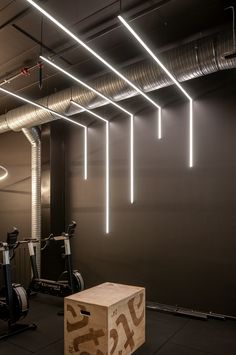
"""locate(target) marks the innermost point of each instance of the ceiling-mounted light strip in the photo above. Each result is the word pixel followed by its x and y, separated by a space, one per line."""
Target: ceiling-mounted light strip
pixel 129 28
pixel 107 162
pixel 3 174
pixel 88 111
pixel 73 77
pixel 44 108
pixel 76 79
pixel 157 60
pixel 114 104
pixel 108 65
pixel 54 113
pixel 83 44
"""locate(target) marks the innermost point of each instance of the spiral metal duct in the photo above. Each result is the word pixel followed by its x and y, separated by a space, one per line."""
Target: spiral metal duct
pixel 189 61
pixel 33 136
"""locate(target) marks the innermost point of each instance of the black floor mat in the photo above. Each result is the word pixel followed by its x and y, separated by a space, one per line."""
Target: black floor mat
pixel 165 334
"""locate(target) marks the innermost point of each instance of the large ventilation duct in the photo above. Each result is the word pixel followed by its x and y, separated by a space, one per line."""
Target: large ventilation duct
pixel 33 136
pixel 192 60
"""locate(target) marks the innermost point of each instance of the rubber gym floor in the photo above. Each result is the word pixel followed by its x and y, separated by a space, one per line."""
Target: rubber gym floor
pixel 165 334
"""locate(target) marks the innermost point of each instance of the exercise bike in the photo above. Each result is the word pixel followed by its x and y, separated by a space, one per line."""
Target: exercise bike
pixel 14 303
pixel 69 282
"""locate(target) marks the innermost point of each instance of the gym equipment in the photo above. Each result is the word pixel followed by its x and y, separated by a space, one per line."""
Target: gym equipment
pixel 14 303
pixel 69 282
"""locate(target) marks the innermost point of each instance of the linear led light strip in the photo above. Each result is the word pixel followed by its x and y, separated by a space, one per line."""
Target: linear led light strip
pixel 108 65
pixel 107 163
pixel 114 104
pixel 83 44
pixel 55 114
pixel 173 79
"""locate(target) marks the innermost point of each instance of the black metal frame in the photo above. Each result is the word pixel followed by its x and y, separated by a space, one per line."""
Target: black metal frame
pixel 7 305
pixel 47 286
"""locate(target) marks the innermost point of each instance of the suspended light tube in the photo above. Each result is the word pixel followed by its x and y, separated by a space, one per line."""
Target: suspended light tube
pixel 107 181
pixel 108 65
pixel 76 79
pixel 24 99
pixel 88 111
pixel 157 60
pixel 85 153
pixel 5 173
pixel 44 108
pixel 159 131
pixel 191 134
pixel 83 44
pixel 107 163
pixel 132 159
pixel 73 77
pixel 153 56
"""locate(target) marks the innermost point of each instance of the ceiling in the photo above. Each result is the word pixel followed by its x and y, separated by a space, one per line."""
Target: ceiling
pixel 162 22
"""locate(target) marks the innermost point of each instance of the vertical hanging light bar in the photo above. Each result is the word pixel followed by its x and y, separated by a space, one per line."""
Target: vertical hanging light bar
pixel 85 153
pixel 107 180
pixel 159 131
pixel 107 163
pixel 157 60
pixel 132 159
pixel 191 134
pixel 79 81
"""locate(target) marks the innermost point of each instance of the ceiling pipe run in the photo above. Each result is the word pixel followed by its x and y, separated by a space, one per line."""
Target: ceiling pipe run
pixel 189 61
pixel 34 137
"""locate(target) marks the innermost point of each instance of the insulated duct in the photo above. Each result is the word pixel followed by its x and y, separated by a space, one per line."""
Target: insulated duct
pixel 33 136
pixel 192 60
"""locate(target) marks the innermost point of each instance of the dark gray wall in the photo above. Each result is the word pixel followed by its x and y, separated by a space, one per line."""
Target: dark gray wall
pixel 15 197
pixel 179 238
pixel 15 190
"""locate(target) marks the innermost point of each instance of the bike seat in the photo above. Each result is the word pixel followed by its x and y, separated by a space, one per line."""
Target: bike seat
pixel 12 237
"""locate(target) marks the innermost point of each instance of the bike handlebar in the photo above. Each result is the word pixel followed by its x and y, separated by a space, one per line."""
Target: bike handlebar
pixel 13 243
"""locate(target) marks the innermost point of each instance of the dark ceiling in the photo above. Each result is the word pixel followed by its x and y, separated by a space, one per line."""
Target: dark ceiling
pixel 163 23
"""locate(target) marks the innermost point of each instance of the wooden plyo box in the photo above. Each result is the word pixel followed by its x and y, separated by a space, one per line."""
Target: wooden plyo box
pixel 108 319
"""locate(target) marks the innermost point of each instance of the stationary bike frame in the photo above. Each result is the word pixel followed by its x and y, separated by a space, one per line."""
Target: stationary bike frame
pixel 56 288
pixel 15 304
pixel 7 278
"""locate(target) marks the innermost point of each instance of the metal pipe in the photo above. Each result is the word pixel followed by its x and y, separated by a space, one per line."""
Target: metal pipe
pixel 33 136
pixel 189 61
